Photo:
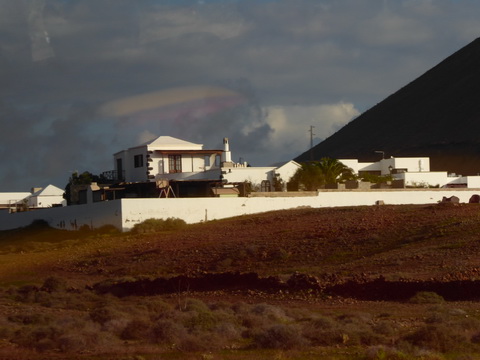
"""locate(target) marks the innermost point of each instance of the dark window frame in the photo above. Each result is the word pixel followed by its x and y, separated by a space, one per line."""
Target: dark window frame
pixel 174 164
pixel 138 161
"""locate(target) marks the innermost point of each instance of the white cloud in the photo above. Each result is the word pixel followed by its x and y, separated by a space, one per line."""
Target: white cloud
pixel 388 29
pixel 291 125
pixel 306 63
pixel 146 136
pixel 167 24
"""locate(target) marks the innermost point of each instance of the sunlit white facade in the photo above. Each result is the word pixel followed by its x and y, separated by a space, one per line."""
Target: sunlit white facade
pixel 169 158
pixel 413 171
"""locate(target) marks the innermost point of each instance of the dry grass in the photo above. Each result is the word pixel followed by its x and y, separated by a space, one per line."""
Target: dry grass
pixel 45 311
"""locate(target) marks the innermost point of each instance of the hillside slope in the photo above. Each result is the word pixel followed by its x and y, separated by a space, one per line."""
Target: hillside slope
pixel 377 282
pixel 335 244
pixel 436 115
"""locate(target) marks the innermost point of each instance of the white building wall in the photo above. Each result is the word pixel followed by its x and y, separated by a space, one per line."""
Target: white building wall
pixel 46 201
pixel 211 163
pixel 204 175
pixel 193 167
pixel 8 198
pixel 254 175
pixel 159 164
pixel 351 163
pixel 69 217
pixel 288 170
pixel 470 181
pixel 133 173
pixel 187 163
pixel 417 164
pixel 361 166
pixel 424 179
pixel 125 213
pixel 122 155
pixel 473 181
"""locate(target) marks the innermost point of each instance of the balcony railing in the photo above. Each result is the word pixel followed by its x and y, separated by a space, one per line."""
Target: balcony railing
pixel 113 175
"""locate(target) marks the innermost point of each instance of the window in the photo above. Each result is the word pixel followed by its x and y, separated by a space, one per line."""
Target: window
pixel 217 160
pixel 119 170
pixel 175 163
pixel 138 161
pixel 207 161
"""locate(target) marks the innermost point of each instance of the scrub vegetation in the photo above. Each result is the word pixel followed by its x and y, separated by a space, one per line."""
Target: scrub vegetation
pixel 51 306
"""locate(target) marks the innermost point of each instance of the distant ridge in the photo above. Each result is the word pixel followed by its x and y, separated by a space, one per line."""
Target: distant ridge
pixel 436 115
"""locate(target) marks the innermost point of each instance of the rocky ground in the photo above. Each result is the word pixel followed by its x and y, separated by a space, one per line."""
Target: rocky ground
pixel 360 267
pixel 394 243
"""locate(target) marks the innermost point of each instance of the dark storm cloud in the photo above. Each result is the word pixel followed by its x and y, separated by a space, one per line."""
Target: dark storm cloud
pixel 295 63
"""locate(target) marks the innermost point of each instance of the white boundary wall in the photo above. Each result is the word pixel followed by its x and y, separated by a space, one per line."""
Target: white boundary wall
pixel 68 217
pixel 125 213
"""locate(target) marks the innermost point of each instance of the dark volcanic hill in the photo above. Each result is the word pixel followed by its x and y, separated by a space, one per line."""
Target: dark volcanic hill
pixel 436 115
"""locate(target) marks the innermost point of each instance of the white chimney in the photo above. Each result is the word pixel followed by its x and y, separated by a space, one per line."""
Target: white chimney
pixel 227 155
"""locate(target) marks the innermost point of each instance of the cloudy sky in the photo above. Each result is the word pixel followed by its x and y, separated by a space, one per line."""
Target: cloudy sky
pixel 83 79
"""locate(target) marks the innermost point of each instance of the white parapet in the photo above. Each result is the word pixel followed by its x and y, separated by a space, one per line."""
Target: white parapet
pixel 125 213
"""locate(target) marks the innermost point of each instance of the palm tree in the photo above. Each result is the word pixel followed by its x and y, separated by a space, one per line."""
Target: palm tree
pixel 309 176
pixel 315 174
pixel 335 171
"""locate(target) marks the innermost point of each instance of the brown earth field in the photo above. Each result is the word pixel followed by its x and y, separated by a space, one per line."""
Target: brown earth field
pixel 414 270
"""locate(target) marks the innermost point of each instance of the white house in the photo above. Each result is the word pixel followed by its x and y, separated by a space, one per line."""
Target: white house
pixel 9 200
pixel 169 158
pixel 413 171
pixel 37 198
pixel 48 197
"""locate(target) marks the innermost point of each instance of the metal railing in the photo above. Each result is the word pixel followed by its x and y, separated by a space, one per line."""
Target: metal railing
pixel 113 175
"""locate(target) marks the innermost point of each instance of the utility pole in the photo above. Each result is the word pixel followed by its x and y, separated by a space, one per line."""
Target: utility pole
pixel 311 141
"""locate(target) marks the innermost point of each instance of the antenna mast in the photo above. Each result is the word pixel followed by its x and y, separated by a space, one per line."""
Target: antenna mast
pixel 311 141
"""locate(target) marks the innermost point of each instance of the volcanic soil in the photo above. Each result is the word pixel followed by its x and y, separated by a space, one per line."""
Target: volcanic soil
pixel 342 262
pixel 397 243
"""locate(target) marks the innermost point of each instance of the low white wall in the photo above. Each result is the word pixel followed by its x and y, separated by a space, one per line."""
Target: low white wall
pixel 69 217
pixel 125 213
pixel 194 210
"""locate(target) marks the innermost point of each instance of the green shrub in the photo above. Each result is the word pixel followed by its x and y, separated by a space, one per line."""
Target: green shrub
pixel 280 336
pixel 323 331
pixel 157 306
pixel 156 225
pixel 426 297
pixel 136 330
pixel 71 342
pixel 195 305
pixel 108 230
pixel 323 323
pixel 45 344
pixel 384 328
pixel 271 312
pixel 104 314
pixel 252 321
pixel 201 321
pixel 27 293
pixel 441 338
pixel 54 283
pixel 382 352
pixel 192 343
pixel 36 336
pixel 167 331
pixel 30 319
